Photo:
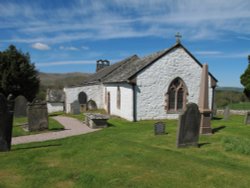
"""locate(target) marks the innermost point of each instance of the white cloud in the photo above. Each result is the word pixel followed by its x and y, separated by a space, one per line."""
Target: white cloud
pixel 208 52
pixel 58 63
pixel 40 46
pixel 70 48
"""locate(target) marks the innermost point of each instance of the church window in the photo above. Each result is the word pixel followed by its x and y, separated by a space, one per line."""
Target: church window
pixel 176 96
pixel 118 101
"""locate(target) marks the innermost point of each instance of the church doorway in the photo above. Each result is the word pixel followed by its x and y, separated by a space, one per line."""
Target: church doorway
pixel 82 98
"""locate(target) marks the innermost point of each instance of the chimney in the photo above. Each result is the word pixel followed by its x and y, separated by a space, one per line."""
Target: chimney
pixel 100 64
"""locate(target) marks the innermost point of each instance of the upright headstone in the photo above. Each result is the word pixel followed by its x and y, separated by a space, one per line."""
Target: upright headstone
pixel 91 105
pixel 247 118
pixel 37 116
pixel 226 113
pixel 189 126
pixel 205 124
pixel 214 111
pixel 6 122
pixel 20 109
pixel 159 128
pixel 75 107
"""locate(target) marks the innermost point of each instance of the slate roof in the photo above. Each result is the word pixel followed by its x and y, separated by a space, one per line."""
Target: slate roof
pixel 128 68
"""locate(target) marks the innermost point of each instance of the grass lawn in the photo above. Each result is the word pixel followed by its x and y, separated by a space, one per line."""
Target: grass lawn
pixel 240 106
pixel 129 155
pixel 18 130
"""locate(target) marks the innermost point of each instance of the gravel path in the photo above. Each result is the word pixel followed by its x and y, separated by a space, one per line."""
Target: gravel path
pixel 71 125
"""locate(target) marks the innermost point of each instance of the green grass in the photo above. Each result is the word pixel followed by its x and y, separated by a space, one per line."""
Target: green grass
pixel 240 106
pixel 18 130
pixel 129 155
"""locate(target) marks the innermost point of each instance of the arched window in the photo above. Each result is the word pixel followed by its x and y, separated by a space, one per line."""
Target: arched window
pixel 176 97
pixel 118 99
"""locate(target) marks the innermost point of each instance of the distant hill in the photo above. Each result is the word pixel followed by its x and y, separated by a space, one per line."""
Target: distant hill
pixel 60 80
pixel 236 89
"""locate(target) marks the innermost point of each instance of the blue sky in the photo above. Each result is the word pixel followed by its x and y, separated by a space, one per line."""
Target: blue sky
pixel 69 36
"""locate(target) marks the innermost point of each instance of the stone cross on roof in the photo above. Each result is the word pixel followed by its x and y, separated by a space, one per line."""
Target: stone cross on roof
pixel 178 37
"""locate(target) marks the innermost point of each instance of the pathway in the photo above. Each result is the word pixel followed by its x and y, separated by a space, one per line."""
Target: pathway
pixel 72 127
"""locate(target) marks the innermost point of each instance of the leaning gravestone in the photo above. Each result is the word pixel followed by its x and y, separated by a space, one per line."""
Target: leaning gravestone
pixel 189 126
pixel 91 105
pixel 75 107
pixel 37 116
pixel 226 113
pixel 159 128
pixel 20 109
pixel 247 118
pixel 6 121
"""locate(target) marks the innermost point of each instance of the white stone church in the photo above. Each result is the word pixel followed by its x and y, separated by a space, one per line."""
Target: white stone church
pixel 157 86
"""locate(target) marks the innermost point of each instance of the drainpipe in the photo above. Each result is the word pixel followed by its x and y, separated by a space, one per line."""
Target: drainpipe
pixel 134 102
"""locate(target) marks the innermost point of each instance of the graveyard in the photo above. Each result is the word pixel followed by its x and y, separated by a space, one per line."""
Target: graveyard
pixel 129 154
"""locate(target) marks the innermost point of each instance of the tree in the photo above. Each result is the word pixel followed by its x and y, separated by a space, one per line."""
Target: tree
pixel 245 79
pixel 18 75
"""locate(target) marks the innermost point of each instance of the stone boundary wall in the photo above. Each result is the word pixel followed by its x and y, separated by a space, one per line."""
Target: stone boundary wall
pixel 235 112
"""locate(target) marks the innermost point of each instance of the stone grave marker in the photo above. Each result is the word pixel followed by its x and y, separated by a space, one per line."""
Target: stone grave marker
pixel 37 115
pixel 91 105
pixel 6 122
pixel 226 113
pixel 247 118
pixel 20 109
pixel 96 120
pixel 75 107
pixel 159 128
pixel 189 126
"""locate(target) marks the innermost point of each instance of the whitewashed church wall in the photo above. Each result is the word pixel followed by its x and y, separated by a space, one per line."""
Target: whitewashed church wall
pixel 153 83
pixel 55 107
pixel 126 107
pixel 94 92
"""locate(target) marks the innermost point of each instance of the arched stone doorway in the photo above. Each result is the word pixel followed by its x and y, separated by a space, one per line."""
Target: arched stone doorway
pixel 83 98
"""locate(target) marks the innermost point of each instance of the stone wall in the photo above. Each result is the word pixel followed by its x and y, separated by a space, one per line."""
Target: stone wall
pixel 153 83
pixel 126 107
pixel 94 92
pixel 55 107
pixel 235 112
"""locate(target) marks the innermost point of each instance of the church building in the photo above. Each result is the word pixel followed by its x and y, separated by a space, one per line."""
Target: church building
pixel 157 86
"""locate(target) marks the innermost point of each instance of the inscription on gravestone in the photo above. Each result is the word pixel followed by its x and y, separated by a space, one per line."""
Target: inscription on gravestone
pixel 189 125
pixel 159 128
pixel 37 116
pixel 6 121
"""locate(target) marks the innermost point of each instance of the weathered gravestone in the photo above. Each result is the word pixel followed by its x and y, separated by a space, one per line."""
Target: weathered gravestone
pixel 20 109
pixel 189 126
pixel 159 128
pixel 6 121
pixel 37 115
pixel 75 107
pixel 91 105
pixel 247 118
pixel 226 113
pixel 214 112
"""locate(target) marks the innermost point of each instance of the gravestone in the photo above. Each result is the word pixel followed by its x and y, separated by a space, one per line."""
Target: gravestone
pixel 214 114
pixel 75 107
pixel 37 115
pixel 189 126
pixel 20 109
pixel 247 118
pixel 226 113
pixel 159 128
pixel 91 105
pixel 6 122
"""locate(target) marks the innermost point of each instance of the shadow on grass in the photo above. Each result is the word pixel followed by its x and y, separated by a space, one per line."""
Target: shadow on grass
pixel 217 118
pixel 35 147
pixel 58 129
pixel 214 130
pixel 111 125
pixel 203 144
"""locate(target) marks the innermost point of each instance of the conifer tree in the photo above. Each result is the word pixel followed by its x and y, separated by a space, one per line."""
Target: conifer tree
pixel 18 75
